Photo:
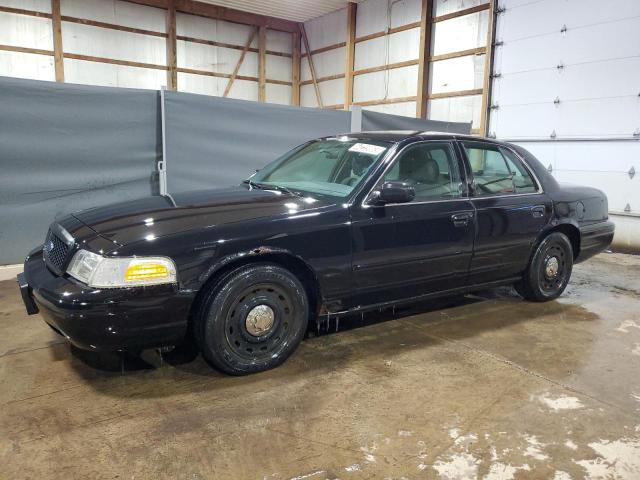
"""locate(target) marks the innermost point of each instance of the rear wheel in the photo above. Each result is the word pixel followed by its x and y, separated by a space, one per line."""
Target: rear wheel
pixel 253 320
pixel 549 270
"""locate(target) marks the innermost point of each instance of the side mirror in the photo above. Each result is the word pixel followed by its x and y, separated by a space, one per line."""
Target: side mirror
pixel 394 192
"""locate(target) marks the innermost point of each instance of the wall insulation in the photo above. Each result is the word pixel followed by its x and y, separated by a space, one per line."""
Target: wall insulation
pixel 566 88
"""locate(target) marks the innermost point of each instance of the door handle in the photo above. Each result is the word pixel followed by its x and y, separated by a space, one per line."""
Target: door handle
pixel 461 219
pixel 538 211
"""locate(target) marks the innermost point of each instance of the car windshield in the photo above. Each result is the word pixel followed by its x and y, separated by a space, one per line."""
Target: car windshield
pixel 333 167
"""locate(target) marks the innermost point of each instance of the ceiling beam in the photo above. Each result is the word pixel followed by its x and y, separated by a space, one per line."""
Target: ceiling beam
pixel 223 13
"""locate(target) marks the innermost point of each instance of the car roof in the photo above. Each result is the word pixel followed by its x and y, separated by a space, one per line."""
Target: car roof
pixel 401 135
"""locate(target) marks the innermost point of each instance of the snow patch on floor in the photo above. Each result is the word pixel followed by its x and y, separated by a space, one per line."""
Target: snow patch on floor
pixel 461 465
pixel 560 475
pixel 618 459
pixel 571 445
pixel 563 402
pixel 353 468
pixel 626 325
pixel 534 448
pixel 500 471
pixel 636 349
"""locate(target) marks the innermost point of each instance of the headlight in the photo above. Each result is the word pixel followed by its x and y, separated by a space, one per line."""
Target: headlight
pixel 105 272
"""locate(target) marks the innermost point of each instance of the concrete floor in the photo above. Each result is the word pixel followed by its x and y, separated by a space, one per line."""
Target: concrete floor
pixel 485 386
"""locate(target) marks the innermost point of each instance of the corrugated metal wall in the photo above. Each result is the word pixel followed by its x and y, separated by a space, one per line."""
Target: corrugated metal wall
pixel 568 90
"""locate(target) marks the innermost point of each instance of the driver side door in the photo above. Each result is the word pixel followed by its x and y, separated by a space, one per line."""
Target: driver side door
pixel 423 246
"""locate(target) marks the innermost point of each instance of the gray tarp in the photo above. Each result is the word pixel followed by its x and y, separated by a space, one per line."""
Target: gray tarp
pixel 67 147
pixel 382 121
pixel 214 141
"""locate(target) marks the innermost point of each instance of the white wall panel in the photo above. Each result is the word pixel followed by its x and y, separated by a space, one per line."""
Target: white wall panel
pixel 244 90
pixel 332 93
pixel 375 16
pixel 461 33
pixel 37 5
pixel 235 33
pixel 201 84
pixel 442 7
pixel 278 68
pixel 463 73
pixel 394 48
pixel 399 82
pixel 27 65
pixel 102 42
pixel 331 62
pixel 279 41
pixel 326 30
pixel 407 109
pixel 104 74
pixel 278 94
pixel 116 12
pixel 24 31
pixel 456 109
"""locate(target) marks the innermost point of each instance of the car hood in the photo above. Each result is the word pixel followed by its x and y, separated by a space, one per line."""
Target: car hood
pixel 132 221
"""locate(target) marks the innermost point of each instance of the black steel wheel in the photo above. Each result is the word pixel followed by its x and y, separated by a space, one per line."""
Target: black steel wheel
pixel 253 320
pixel 549 270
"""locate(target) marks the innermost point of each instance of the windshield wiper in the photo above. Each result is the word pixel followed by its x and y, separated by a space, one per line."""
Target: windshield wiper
pixel 268 186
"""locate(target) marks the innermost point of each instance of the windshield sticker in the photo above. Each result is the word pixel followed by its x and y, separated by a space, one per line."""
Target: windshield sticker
pixel 366 148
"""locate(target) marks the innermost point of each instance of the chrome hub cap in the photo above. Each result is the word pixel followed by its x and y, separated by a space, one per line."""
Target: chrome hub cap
pixel 259 320
pixel 551 267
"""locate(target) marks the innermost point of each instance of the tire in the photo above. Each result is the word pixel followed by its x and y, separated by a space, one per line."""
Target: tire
pixel 253 319
pixel 545 279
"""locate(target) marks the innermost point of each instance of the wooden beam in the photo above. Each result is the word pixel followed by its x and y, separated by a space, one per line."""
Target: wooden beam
pixel 311 67
pixel 460 53
pixel 112 26
pixel 350 52
pixel 23 11
pixel 488 70
pixel 326 49
pixel 337 76
pixel 172 48
pixel 423 61
pixel 262 64
pixel 215 43
pixel 36 51
pixel 381 68
pixel 401 28
pixel 58 52
pixel 208 10
pixel 239 63
pixel 385 101
pixel 462 13
pixel 295 68
pixel 457 93
pixel 113 61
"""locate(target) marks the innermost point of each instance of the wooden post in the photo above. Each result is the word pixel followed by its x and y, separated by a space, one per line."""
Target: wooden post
pixel 262 64
pixel 295 69
pixel 488 70
pixel 423 65
pixel 58 52
pixel 239 64
pixel 311 67
pixel 172 48
pixel 350 52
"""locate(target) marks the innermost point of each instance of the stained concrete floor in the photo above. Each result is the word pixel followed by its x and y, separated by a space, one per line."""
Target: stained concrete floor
pixel 483 386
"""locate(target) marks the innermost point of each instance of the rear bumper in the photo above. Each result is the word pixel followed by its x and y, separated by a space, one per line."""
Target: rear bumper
pixel 595 238
pixel 104 319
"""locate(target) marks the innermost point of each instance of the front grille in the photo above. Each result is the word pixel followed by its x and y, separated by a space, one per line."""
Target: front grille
pixel 55 251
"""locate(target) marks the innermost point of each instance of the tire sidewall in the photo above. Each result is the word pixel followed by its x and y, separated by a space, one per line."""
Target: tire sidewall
pixel 213 339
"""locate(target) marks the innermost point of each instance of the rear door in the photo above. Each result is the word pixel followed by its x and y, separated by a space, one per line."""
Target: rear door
pixel 424 246
pixel 511 209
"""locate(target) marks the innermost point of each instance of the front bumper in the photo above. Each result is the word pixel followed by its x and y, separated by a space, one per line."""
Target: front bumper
pixel 104 319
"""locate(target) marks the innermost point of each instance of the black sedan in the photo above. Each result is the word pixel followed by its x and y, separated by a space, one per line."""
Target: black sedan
pixel 337 225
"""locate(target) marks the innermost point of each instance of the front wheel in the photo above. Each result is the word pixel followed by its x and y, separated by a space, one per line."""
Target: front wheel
pixel 549 270
pixel 253 320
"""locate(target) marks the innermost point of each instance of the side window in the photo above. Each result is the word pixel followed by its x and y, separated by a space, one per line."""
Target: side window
pixel 496 171
pixel 431 168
